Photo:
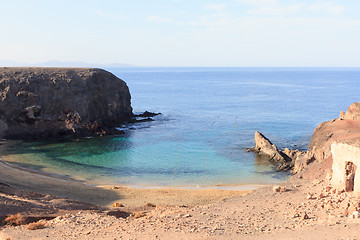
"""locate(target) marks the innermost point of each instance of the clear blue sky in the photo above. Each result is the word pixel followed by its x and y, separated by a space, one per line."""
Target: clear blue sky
pixel 183 32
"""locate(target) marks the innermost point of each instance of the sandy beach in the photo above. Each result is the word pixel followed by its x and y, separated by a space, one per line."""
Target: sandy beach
pixel 106 195
pixel 74 210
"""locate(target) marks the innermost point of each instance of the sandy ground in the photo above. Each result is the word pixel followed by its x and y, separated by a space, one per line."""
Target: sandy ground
pixel 304 209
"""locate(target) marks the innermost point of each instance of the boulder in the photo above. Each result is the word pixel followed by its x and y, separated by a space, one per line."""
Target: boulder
pixel 38 103
pixel 264 146
pixel 301 160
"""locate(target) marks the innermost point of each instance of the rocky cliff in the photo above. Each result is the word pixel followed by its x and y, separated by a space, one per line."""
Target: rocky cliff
pixel 40 103
pixel 346 127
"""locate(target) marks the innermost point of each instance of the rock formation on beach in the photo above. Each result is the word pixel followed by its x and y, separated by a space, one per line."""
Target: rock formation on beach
pixel 40 103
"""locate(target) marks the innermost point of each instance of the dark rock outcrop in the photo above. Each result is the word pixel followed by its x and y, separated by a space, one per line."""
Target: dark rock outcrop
pixel 146 114
pixel 40 103
pixel 143 117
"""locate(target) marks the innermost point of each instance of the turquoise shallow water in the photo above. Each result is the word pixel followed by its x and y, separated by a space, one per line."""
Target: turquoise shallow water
pixel 209 116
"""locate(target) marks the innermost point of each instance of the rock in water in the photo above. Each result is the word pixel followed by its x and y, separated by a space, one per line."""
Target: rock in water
pixel 40 103
pixel 264 146
pixel 288 159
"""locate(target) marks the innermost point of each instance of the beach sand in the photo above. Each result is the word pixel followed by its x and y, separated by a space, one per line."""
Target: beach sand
pixel 176 213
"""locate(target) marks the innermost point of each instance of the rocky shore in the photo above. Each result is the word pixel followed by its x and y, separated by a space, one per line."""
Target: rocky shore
pixel 38 103
pixel 344 128
pixel 319 202
pixel 287 159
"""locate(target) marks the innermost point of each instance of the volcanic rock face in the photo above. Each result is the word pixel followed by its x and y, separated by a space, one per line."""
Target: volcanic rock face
pixel 60 102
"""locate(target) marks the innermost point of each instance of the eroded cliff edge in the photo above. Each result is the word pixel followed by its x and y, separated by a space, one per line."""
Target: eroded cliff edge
pixel 317 161
pixel 37 103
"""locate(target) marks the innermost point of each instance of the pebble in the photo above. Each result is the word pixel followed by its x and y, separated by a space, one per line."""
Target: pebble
pixel 309 196
pixel 276 188
pixel 356 214
pixel 117 204
pixel 305 216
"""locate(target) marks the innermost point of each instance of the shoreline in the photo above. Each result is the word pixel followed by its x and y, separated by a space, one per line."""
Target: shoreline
pixel 12 162
pixel 225 187
pixel 306 206
pixel 24 161
pixel 107 194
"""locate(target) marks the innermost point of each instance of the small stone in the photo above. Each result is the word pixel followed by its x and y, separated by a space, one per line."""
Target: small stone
pixel 305 216
pixel 117 204
pixel 309 196
pixel 276 188
pixel 283 189
pixel 139 214
pixel 352 208
pixel 356 214
pixel 328 188
pixel 321 195
pixel 150 205
pixel 339 192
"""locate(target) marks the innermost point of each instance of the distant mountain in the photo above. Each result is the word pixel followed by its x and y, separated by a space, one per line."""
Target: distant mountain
pixel 54 63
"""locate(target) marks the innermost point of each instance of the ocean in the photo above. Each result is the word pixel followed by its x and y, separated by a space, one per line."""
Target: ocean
pixel 209 116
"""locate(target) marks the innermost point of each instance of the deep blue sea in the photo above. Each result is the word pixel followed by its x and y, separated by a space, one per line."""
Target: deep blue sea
pixel 209 116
